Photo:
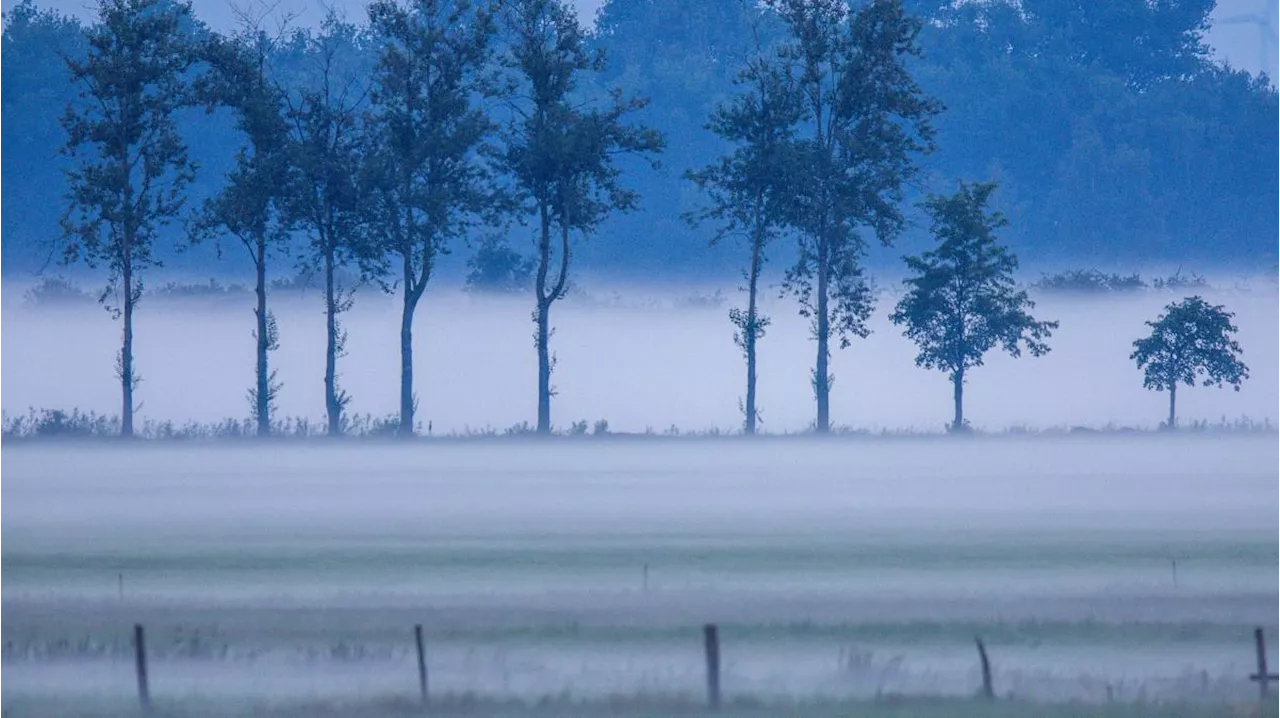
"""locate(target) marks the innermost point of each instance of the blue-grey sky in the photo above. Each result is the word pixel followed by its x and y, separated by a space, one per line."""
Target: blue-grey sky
pixel 1244 31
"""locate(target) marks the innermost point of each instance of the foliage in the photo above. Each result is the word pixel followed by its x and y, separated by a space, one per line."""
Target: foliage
pixel 559 153
pixel 865 120
pixel 1191 341
pixel 962 300
pixel 427 180
pixel 131 165
pixel 749 190
pixel 213 289
pixel 1176 282
pixel 1145 152
pixel 55 291
pixel 35 91
pixel 324 196
pixel 498 269
pixel 1088 281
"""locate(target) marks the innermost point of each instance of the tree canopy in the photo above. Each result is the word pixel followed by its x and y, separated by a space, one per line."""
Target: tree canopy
pixel 1111 131
pixel 962 299
pixel 1191 341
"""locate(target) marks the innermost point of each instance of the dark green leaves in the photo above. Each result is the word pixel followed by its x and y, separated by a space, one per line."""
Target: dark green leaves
pixel 1191 341
pixel 962 300
pixel 131 165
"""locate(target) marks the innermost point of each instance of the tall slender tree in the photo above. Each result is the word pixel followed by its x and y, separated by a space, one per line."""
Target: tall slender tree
pixel 131 164
pixel 559 151
pixel 962 300
pixel 324 197
pixel 429 180
pixel 249 206
pixel 749 191
pixel 866 119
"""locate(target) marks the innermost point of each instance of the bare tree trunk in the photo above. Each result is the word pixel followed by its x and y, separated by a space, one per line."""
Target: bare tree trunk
pixel 542 316
pixel 1173 400
pixel 406 364
pixel 544 367
pixel 263 395
pixel 821 372
pixel 332 405
pixel 750 335
pixel 126 348
pixel 957 379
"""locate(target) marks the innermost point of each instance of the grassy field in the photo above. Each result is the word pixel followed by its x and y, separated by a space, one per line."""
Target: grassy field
pixel 1106 579
pixel 651 707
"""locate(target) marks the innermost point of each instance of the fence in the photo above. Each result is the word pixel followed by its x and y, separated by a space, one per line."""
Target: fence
pixel 711 647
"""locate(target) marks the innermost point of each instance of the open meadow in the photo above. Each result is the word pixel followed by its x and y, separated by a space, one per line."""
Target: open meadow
pixel 574 576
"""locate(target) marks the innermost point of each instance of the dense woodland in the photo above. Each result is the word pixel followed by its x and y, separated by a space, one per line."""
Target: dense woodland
pixel 809 133
pixel 1114 139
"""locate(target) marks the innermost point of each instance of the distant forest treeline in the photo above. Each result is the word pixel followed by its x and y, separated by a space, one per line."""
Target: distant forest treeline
pixel 1114 139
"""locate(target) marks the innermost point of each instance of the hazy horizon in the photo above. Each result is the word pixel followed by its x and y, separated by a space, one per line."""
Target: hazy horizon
pixel 640 358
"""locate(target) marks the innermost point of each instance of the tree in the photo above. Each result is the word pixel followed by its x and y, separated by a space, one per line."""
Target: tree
pixel 34 93
pixel 866 120
pixel 1192 340
pixel 249 206
pixel 560 151
pixel 324 195
pixel 430 181
pixel 749 192
pixel 497 268
pixel 962 300
pixel 132 164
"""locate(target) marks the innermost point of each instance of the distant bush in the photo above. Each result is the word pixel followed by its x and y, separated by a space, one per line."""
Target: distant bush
pixel 1088 281
pixel 1178 282
pixel 213 290
pixel 1092 281
pixel 496 268
pixel 56 291
pixel 702 301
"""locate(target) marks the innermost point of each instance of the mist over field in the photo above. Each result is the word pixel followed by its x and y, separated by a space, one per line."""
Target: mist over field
pixel 610 471
pixel 639 357
pixel 1097 569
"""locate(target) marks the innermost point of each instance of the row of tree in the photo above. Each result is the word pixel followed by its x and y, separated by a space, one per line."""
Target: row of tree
pixel 473 117
pixel 1116 137
pixel 380 167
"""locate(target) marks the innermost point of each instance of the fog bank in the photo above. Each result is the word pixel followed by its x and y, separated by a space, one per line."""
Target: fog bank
pixel 637 358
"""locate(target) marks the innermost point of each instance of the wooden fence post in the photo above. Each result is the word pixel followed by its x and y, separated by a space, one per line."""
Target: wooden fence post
pixel 140 662
pixel 1262 677
pixel 711 641
pixel 422 662
pixel 988 690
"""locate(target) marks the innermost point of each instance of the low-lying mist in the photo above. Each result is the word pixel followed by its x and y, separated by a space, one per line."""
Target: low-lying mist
pixel 642 359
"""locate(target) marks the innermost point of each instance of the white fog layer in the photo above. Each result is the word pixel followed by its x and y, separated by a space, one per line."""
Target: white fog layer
pixel 1095 568
pixel 640 360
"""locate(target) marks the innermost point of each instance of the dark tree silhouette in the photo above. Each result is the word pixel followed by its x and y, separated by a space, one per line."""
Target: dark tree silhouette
pixel 749 190
pixel 497 268
pixel 324 194
pixel 249 206
pixel 962 300
pixel 866 119
pixel 560 151
pixel 131 164
pixel 429 181
pixel 1192 340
